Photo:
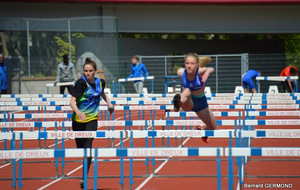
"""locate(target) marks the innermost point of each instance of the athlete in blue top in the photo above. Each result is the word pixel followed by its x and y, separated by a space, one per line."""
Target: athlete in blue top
pixel 247 80
pixel 3 76
pixel 137 70
pixel 192 98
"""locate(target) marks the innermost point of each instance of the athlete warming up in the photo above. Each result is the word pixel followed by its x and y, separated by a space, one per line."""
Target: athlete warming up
pixel 193 79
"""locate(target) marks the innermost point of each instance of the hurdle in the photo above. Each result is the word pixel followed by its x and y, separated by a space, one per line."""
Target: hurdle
pixel 229 152
pixel 236 113
pixel 28 95
pixel 135 97
pixel 221 113
pixel 58 84
pixel 152 102
pixel 148 95
pixel 134 79
pixel 146 107
pixel 173 83
pixel 259 133
pixel 232 98
pixel 277 78
pixel 125 123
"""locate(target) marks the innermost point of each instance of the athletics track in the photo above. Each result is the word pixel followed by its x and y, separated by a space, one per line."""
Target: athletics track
pixel 193 172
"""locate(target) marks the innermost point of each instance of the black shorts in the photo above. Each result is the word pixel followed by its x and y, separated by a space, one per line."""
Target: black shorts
pixel 89 126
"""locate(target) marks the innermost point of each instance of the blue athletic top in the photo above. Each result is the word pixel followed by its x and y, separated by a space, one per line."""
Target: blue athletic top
pixel 250 75
pixel 193 85
pixel 88 102
pixel 3 77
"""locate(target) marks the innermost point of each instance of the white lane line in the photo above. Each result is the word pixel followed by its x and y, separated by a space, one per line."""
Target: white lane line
pixel 71 172
pixel 52 182
pixel 238 184
pixel 5 165
pixel 157 170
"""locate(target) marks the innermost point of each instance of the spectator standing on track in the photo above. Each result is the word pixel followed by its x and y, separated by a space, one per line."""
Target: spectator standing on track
pixel 85 104
pixel 247 80
pixel 65 73
pixel 288 85
pixel 193 79
pixel 3 75
pixel 137 70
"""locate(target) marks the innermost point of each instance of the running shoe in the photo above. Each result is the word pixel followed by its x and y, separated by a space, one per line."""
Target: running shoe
pixel 205 139
pixel 177 102
pixel 81 183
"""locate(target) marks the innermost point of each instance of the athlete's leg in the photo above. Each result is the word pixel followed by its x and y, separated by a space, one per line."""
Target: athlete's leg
pixel 253 90
pixel 251 86
pixel 208 118
pixel 91 126
pixel 62 89
pixel 183 100
pixel 245 85
pixel 186 99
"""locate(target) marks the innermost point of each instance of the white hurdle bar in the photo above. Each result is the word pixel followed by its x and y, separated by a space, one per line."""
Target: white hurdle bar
pixel 150 152
pixel 236 113
pixel 59 84
pixel 213 95
pixel 217 152
pixel 150 107
pixel 261 133
pixel 125 123
pixel 152 102
pixel 34 135
pixel 167 114
pixel 136 78
pixel 277 78
pixel 132 99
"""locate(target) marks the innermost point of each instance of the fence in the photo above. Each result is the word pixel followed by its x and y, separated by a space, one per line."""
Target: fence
pixel 168 65
pixel 228 70
pixel 40 43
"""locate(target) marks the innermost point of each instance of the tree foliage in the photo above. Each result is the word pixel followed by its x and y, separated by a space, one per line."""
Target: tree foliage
pixel 63 43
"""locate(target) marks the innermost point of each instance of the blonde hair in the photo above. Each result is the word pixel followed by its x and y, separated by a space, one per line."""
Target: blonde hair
pixel 202 61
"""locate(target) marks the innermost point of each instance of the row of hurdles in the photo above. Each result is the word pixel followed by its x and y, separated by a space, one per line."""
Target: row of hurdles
pixel 153 100
pixel 175 129
pixel 151 153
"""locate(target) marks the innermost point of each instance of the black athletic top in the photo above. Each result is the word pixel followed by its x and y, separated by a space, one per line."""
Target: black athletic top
pixel 81 86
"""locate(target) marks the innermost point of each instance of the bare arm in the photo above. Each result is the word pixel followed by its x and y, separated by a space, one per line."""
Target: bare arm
pixel 290 85
pixel 180 72
pixel 73 105
pixel 242 78
pixel 204 73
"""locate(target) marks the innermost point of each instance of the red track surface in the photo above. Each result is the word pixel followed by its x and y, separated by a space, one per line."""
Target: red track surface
pixel 204 166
